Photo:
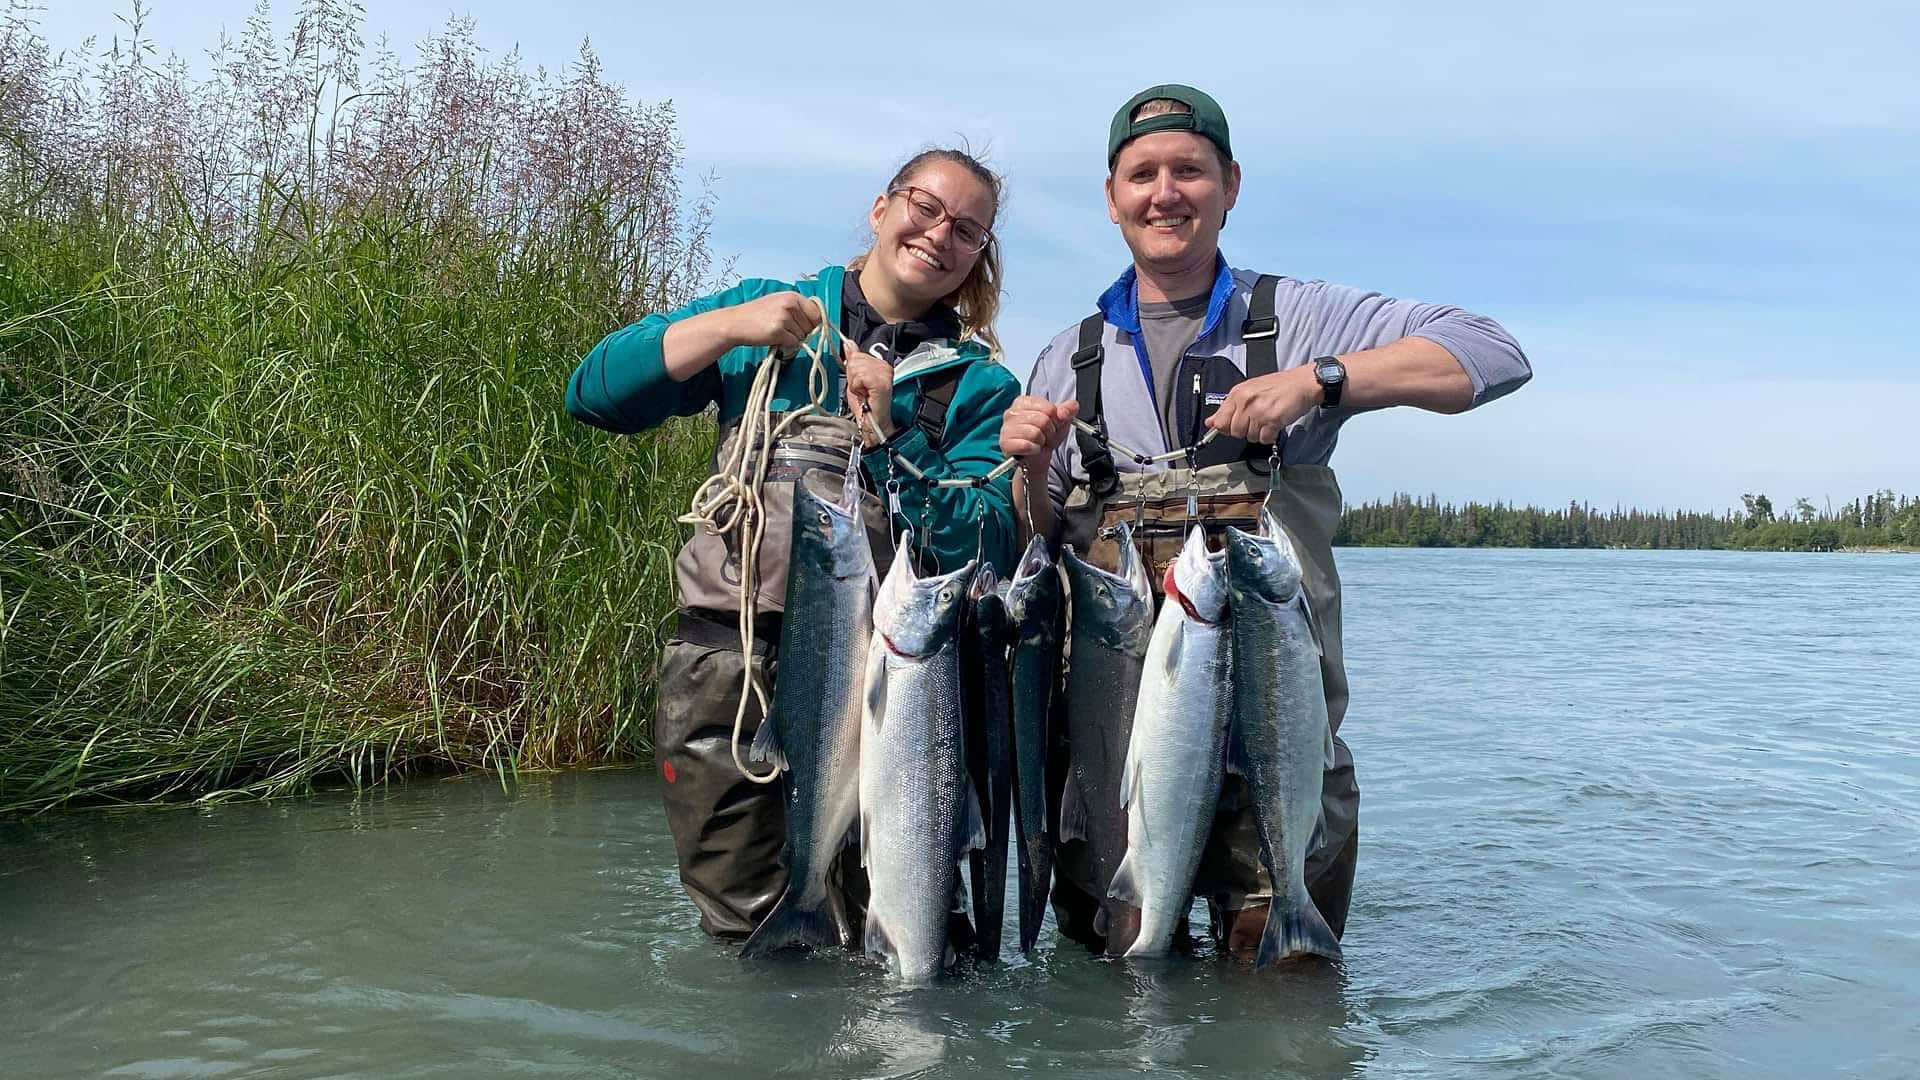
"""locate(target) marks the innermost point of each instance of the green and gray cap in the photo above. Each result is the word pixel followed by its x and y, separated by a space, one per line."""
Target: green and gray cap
pixel 1204 119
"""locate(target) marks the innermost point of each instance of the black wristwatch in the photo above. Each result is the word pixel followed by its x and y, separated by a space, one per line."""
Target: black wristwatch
pixel 1331 374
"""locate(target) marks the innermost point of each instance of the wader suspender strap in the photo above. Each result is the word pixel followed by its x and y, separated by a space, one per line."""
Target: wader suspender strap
pixel 1102 477
pixel 936 395
pixel 1261 329
pixel 1260 333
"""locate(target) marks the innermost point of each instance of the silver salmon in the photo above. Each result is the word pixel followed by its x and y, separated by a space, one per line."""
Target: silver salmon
pixel 1177 755
pixel 812 730
pixel 919 815
pixel 1280 736
pixel 1112 619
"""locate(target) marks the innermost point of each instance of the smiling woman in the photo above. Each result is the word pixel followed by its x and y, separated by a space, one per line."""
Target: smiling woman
pixel 917 309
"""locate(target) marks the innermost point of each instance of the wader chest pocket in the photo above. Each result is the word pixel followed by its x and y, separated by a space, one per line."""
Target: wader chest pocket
pixel 1199 387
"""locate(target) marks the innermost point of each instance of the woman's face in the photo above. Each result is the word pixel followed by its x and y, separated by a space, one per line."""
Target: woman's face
pixel 921 236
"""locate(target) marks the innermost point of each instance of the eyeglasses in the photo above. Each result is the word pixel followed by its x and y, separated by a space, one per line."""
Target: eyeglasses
pixel 926 211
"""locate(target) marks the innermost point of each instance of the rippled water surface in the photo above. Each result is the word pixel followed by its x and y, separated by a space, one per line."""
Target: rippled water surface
pixel 1624 814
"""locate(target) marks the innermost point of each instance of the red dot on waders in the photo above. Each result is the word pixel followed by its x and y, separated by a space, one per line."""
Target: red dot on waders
pixel 666 769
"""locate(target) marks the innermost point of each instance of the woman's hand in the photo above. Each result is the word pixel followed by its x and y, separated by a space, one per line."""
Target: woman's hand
pixel 870 387
pixel 779 320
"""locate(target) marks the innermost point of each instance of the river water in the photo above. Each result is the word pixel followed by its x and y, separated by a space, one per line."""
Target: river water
pixel 1624 814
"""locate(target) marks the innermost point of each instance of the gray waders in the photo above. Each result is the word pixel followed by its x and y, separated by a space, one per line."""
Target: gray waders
pixel 729 832
pixel 1306 499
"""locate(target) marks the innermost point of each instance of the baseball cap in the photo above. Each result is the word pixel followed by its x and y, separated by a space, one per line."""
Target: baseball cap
pixel 1205 119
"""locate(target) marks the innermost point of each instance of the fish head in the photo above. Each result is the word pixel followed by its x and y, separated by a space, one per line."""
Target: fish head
pixel 824 520
pixel 1197 579
pixel 925 614
pixel 985 581
pixel 1034 587
pixel 897 586
pixel 1262 565
pixel 1121 603
pixel 1133 568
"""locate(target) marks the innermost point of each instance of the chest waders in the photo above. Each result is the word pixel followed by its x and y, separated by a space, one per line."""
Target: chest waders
pixel 1161 506
pixel 729 833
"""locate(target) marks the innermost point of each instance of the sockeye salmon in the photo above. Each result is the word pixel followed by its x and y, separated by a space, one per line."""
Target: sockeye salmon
pixel 985 679
pixel 1280 737
pixel 1036 611
pixel 812 730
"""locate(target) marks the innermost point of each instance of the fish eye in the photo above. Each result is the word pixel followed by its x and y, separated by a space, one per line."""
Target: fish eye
pixel 824 519
pixel 946 595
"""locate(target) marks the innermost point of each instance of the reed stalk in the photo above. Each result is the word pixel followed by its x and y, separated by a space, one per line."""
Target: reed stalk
pixel 287 494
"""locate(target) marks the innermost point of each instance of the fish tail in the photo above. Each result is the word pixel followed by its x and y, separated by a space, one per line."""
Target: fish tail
pixel 790 924
pixel 1036 874
pixel 1295 928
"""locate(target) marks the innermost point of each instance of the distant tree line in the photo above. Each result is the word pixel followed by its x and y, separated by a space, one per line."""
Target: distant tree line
pixel 1881 519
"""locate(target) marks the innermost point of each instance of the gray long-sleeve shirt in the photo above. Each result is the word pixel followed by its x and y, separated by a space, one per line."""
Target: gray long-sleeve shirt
pixel 1314 319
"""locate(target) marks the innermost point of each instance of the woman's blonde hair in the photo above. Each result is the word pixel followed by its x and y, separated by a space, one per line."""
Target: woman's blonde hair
pixel 977 300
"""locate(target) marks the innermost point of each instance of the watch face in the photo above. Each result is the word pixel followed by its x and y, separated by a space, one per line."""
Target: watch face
pixel 1330 371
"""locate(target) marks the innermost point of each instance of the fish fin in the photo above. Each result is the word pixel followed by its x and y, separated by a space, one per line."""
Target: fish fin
pixel 866 834
pixel 1133 791
pixel 1313 624
pixel 1073 811
pixel 976 822
pixel 1124 887
pixel 1174 648
pixel 789 924
pixel 1295 928
pixel 766 747
pixel 1317 839
pixel 1124 921
pixel 1120 916
pixel 873 709
pixel 876 942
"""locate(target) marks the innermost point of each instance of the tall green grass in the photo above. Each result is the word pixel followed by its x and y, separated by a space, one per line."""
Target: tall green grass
pixel 287 494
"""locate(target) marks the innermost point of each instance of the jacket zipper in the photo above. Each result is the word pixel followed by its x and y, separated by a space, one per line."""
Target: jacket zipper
pixel 1193 435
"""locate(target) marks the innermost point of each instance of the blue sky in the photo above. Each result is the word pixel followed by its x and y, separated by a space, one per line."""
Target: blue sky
pixel 1702 221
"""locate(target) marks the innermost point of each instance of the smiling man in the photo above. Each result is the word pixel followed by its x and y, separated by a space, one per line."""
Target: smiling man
pixel 1184 344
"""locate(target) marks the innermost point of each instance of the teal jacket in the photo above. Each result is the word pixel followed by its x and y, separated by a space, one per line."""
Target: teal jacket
pixel 622 386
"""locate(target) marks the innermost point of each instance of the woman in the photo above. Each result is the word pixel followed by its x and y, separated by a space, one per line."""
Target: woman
pixel 919 306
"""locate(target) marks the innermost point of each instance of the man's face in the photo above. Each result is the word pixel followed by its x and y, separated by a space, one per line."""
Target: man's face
pixel 1170 196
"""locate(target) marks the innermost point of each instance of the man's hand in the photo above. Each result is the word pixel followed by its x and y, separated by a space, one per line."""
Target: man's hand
pixel 1034 428
pixel 870 386
pixel 1259 409
pixel 779 320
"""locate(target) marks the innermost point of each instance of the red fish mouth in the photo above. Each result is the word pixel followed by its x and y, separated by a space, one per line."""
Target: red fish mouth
pixel 1173 593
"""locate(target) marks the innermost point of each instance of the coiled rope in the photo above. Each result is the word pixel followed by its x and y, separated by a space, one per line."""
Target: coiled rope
pixel 728 502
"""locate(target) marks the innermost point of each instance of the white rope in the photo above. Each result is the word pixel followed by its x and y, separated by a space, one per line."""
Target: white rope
pixel 728 502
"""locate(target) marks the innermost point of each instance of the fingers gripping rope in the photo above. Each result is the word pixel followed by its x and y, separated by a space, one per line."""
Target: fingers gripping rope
pixel 728 502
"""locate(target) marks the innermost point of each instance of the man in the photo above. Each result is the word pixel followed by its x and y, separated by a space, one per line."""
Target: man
pixel 1183 344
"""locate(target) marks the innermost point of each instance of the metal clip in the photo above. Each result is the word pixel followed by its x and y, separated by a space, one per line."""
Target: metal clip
pixel 1193 487
pixel 1273 470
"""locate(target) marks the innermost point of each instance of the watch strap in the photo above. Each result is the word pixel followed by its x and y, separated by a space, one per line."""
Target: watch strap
pixel 1330 389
